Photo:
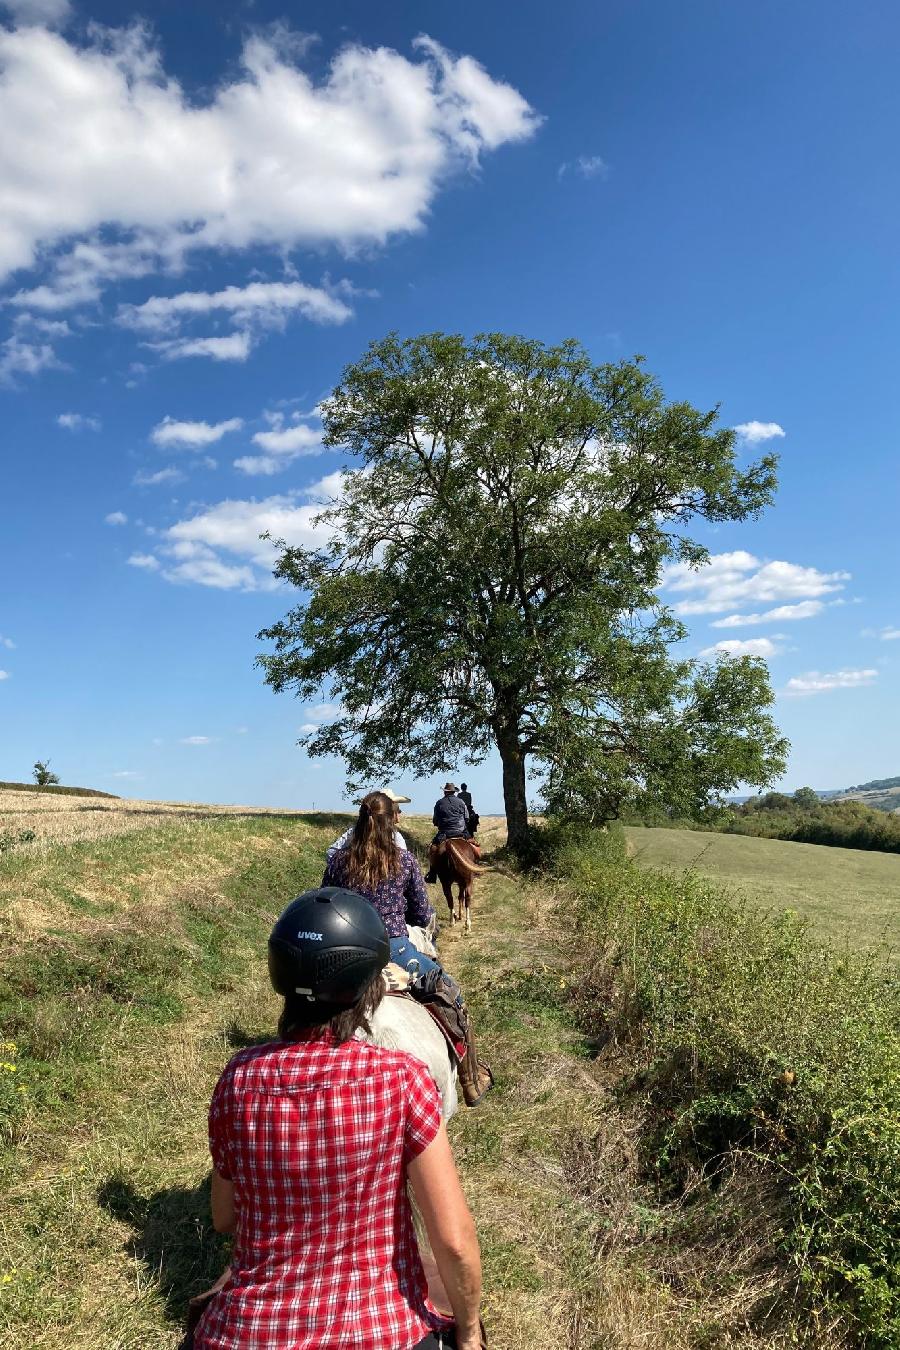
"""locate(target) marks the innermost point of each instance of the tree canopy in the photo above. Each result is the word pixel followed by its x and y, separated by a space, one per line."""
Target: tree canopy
pixel 489 574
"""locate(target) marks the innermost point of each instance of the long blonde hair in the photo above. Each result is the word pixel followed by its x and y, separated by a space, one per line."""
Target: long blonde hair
pixel 373 853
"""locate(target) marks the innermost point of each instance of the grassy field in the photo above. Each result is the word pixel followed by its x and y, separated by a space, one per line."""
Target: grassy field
pixel 847 893
pixel 131 968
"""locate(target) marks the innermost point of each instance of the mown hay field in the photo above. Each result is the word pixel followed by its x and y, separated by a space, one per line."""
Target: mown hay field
pixel 848 894
pixel 56 818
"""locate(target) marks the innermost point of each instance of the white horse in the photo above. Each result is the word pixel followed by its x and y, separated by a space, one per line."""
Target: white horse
pixel 400 1023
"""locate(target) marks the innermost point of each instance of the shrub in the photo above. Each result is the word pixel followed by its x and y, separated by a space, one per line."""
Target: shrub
pixel 755 1043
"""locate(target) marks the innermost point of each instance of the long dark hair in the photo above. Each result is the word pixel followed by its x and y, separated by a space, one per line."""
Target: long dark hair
pixel 295 1022
pixel 373 855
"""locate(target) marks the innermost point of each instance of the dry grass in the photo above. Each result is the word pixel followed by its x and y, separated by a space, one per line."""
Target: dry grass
pixel 103 1220
pixel 60 819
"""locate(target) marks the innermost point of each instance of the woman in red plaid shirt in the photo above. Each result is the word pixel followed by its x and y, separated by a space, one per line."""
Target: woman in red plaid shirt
pixel 314 1138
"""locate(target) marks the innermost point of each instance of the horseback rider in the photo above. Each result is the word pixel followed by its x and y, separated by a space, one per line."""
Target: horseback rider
pixel 374 865
pixel 343 840
pixel 314 1137
pixel 474 818
pixel 391 880
pixel 451 817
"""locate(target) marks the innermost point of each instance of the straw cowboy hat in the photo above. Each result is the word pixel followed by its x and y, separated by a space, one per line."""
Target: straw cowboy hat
pixel 393 796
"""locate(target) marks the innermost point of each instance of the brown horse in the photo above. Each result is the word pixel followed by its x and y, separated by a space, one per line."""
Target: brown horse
pixel 456 866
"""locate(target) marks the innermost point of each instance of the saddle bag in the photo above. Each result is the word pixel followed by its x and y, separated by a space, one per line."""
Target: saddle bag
pixel 441 997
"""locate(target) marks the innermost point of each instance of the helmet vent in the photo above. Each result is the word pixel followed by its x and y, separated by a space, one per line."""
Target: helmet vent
pixel 329 963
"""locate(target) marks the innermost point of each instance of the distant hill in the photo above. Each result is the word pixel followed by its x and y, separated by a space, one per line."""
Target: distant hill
pixel 66 791
pixel 882 794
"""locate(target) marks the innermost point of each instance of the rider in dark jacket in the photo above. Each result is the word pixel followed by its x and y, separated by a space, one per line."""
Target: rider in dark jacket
pixel 451 817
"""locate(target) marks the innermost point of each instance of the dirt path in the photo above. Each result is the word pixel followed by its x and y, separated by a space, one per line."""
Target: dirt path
pixel 512 1151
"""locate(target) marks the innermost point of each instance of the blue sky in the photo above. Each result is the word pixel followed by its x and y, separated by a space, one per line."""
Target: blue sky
pixel 207 210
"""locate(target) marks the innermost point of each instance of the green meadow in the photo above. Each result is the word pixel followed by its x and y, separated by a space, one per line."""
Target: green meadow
pixel 847 894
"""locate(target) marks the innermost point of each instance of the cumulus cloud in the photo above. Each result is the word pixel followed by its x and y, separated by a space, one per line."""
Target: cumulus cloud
pixel 764 647
pixel 804 609
pixel 127 173
pixel 193 435
pixel 47 12
pixel 265 302
pixel 7 642
pixel 78 422
pixel 754 432
pixel 145 561
pixel 282 444
pixel 814 682
pixel 4 674
pixel 887 634
pixel 221 547
pixel 116 518
pixel 233 347
pixel 18 357
pixel 169 475
pixel 731 579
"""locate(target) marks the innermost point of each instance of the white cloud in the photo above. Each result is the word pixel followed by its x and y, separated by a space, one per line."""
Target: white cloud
pixel 145 561
pixel 320 714
pixel 586 166
pixel 4 674
pixel 127 773
pixel 307 728
pixel 265 302
pixel 78 422
pixel 168 432
pixel 283 444
pixel 731 579
pixel 764 647
pixel 116 518
pixel 754 432
pixel 47 12
pixel 170 475
pixel 55 328
pixel 221 545
pixel 887 634
pixel 18 357
pixel 805 609
pixel 7 642
pixel 234 347
pixel 196 740
pixel 801 686
pixel 98 137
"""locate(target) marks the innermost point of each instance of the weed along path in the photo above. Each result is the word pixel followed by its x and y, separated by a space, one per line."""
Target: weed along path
pixel 132 967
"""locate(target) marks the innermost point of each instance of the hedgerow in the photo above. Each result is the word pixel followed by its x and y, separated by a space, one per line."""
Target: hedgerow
pixel 754 1044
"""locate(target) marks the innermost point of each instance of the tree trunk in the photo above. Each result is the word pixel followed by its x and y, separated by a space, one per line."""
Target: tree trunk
pixel 514 799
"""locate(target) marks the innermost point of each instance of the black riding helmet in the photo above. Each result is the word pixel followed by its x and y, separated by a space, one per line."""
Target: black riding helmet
pixel 325 948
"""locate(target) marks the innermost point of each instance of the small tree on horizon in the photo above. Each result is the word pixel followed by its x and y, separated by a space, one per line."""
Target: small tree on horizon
pixel 42 774
pixel 488 578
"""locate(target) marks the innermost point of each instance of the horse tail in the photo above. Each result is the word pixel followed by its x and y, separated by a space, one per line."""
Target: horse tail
pixel 467 870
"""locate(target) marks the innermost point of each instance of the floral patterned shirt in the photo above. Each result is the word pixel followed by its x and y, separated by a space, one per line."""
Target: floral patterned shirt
pixel 396 897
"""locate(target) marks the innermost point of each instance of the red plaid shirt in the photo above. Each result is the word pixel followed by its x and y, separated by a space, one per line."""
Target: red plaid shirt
pixel 316 1138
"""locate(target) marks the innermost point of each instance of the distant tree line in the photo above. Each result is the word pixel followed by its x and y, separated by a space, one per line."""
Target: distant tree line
pixel 801 817
pixel 804 818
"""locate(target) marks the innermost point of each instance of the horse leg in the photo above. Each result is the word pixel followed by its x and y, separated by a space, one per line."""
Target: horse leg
pixel 447 887
pixel 468 900
pixel 459 901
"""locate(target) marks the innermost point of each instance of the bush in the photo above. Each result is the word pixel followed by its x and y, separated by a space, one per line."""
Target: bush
pixel 755 1044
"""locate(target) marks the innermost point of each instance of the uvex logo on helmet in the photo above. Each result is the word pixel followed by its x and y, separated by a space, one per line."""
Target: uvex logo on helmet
pixel 309 937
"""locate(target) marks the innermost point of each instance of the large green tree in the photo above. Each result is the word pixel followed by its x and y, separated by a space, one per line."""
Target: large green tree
pixel 490 573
